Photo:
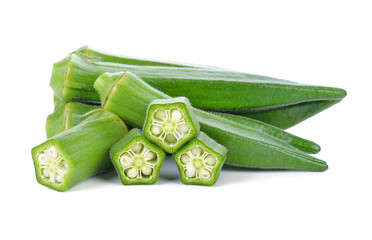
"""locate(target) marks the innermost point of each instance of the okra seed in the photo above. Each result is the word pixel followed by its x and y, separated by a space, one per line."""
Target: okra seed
pixel 132 173
pixel 183 128
pixel 137 147
pixel 156 130
pixel 42 158
pixel 52 151
pixel 197 151
pixel 161 115
pixel 176 115
pixel 210 160
pixel 185 159
pixel 190 172
pixel 146 170
pixel 46 172
pixel 204 174
pixel 150 155
pixel 59 178
pixel 170 138
pixel 125 160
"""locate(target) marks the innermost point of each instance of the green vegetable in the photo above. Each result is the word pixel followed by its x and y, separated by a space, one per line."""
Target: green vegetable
pixel 226 91
pixel 170 123
pixel 136 160
pixel 65 117
pixel 200 161
pixel 78 153
pixel 128 96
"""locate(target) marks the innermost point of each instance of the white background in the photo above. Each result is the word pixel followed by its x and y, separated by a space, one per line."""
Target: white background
pixel 314 42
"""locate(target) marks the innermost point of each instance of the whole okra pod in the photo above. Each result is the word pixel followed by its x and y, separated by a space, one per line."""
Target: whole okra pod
pixel 128 96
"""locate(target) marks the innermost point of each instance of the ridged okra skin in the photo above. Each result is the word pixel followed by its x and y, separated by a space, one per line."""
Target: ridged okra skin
pixel 65 117
pixel 78 153
pixel 170 123
pixel 226 91
pixel 128 96
pixel 137 161
pixel 200 161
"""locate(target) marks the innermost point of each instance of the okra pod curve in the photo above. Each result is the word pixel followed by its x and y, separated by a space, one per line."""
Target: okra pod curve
pixel 226 91
pixel 170 123
pixel 137 161
pixel 78 153
pixel 65 117
pixel 128 96
pixel 200 161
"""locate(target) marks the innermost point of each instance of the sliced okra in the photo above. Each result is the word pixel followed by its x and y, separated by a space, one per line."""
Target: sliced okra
pixel 200 161
pixel 78 153
pixel 136 160
pixel 170 123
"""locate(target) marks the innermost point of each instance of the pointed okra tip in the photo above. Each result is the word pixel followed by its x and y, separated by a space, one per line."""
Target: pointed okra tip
pixel 170 123
pixel 52 169
pixel 200 161
pixel 136 160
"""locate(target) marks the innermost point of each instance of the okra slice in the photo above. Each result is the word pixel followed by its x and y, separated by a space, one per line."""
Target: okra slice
pixel 170 123
pixel 200 161
pixel 137 161
pixel 78 153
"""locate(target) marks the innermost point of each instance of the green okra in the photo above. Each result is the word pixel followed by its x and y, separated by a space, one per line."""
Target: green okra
pixel 170 123
pixel 78 153
pixel 128 96
pixel 200 161
pixel 137 161
pixel 297 142
pixel 65 117
pixel 226 91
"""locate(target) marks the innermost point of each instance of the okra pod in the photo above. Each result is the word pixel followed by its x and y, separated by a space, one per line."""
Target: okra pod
pixel 128 96
pixel 65 117
pixel 137 161
pixel 78 153
pixel 170 123
pixel 226 91
pixel 200 161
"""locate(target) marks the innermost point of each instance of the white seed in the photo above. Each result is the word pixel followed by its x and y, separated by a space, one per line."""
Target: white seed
pixel 125 159
pixel 197 151
pixel 59 178
pixel 52 152
pixel 183 128
pixel 137 147
pixel 160 114
pixel 156 130
pixel 176 115
pixel 146 170
pixel 42 158
pixel 210 160
pixel 52 177
pixel 132 173
pixel 62 171
pixel 190 172
pixel 170 138
pixel 185 159
pixel 150 155
pixel 204 174
pixel 46 172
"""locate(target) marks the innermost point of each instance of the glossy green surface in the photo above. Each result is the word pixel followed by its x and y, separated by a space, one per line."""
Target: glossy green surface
pixel 128 96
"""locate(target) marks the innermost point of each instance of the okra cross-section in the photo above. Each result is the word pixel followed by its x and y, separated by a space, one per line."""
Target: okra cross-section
pixel 200 161
pixel 78 153
pixel 170 123
pixel 136 160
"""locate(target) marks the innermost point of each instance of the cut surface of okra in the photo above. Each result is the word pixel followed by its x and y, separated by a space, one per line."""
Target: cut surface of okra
pixel 137 161
pixel 170 123
pixel 200 161
pixel 78 153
